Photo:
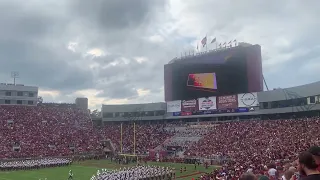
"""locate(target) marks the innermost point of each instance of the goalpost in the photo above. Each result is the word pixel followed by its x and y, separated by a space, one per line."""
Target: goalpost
pixel 134 138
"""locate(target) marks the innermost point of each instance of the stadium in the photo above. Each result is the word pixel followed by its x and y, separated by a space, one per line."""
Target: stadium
pixel 216 122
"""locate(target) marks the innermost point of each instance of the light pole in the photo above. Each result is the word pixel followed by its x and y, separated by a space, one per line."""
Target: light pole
pixel 14 75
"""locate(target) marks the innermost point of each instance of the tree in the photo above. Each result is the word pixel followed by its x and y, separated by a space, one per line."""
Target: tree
pixel 96 113
pixel 40 100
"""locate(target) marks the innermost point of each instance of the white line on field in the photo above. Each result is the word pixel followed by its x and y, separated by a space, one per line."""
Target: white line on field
pixel 4 178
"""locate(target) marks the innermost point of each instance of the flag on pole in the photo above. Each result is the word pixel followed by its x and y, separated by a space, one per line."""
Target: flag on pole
pixel 213 40
pixel 204 41
pixel 235 42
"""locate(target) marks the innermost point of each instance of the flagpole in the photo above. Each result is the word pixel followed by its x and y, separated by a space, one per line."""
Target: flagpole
pixel 206 42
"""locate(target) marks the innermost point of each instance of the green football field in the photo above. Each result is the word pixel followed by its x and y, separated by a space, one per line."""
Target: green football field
pixel 84 171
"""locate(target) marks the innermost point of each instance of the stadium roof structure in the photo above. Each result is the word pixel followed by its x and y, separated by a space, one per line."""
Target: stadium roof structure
pixel 209 52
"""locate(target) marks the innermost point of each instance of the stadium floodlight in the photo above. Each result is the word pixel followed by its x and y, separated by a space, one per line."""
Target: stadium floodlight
pixel 14 75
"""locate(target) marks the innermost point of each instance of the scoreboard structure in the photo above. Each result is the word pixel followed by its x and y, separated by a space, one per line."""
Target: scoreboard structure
pixel 216 73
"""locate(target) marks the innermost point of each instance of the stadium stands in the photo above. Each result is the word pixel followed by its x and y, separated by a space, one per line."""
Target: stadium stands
pixel 257 144
pixel 147 137
pixel 29 131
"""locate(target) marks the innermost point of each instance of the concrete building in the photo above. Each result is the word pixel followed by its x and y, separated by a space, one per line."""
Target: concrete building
pixel 18 94
pixel 82 103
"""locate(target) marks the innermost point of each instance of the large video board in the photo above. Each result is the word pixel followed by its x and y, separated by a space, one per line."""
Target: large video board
pixel 191 81
pixel 228 72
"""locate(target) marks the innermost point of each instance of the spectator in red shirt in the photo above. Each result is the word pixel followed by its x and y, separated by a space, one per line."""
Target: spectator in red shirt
pixel 315 151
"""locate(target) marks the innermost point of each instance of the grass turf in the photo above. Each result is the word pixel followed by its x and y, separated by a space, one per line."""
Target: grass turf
pixel 84 171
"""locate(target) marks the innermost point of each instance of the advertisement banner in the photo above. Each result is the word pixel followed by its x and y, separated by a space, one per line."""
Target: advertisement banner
pixel 208 103
pixel 176 114
pixel 174 106
pixel 186 113
pixel 216 111
pixel 189 105
pixel 248 100
pixel 227 102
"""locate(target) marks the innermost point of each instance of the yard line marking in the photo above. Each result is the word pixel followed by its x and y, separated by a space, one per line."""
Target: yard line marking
pixel 4 178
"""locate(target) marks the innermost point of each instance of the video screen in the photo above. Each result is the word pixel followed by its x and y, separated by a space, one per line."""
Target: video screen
pixel 203 81
pixel 195 80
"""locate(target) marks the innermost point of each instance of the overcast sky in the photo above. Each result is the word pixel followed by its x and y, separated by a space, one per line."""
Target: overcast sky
pixel 113 51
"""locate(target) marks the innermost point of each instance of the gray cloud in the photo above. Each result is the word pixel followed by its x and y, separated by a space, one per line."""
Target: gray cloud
pixel 34 40
pixel 115 15
pixel 119 89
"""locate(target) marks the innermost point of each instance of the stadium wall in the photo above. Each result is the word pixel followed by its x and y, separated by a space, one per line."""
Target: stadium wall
pixel 168 82
pixel 152 109
pixel 305 91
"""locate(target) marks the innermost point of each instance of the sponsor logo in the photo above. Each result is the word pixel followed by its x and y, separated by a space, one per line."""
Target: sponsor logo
pixel 176 114
pixel 243 109
pixel 227 102
pixel 186 113
pixel 173 105
pixel 189 103
pixel 206 103
pixel 248 99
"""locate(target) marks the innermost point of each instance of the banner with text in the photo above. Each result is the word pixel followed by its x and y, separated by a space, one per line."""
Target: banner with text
pixel 208 103
pixel 248 100
pixel 189 105
pixel 227 102
pixel 174 106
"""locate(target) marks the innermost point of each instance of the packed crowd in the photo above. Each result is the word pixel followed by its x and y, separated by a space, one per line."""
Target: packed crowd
pixel 27 131
pixel 34 164
pixel 147 136
pixel 135 173
pixel 305 167
pixel 257 144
